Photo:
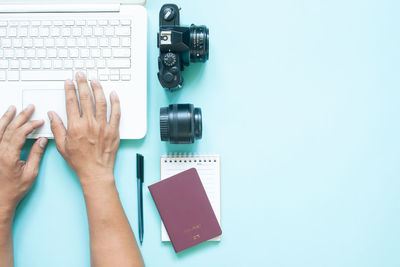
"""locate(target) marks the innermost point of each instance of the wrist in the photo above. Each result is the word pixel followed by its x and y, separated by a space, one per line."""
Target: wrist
pixel 93 184
pixel 6 215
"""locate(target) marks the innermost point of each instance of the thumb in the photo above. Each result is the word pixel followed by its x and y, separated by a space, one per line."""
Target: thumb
pixel 58 129
pixel 34 158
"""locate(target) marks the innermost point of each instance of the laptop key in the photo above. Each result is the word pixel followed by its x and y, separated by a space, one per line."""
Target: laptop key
pixel 126 22
pixel 25 64
pixel 13 75
pixel 46 22
pixel 35 64
pixel 126 41
pixel 24 23
pixel 47 64
pixel 80 23
pixel 102 22
pixel 119 63
pixel 48 75
pixel 123 31
pixel 121 52
pixel 3 64
pixel 103 77
pixel 114 22
pixel 6 42
pixel 8 53
pixel 69 23
pixel 126 77
pixel 91 22
pixel 14 64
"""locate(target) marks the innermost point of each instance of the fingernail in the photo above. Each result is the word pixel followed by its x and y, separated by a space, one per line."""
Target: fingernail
pixel 10 109
pixel 95 81
pixel 50 115
pixel 81 74
pixel 69 82
pixel 42 142
pixel 114 95
pixel 29 107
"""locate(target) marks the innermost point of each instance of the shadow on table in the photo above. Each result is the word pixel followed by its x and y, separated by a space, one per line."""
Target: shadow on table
pixel 191 75
pixel 182 148
pixel 132 144
pixel 196 249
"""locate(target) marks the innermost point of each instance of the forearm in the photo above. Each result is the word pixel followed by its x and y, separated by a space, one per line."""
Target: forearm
pixel 6 242
pixel 111 238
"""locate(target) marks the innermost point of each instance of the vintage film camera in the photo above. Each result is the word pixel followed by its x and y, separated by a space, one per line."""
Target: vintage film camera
pixel 179 45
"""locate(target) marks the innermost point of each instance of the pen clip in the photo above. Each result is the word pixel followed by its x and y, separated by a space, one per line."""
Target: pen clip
pixel 139 167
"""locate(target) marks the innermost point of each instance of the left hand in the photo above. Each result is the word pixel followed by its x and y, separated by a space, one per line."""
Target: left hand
pixel 17 176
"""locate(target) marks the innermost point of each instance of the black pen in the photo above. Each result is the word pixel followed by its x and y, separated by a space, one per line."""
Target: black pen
pixel 140 179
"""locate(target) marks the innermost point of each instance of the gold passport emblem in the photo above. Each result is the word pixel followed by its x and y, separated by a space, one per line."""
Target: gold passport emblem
pixel 196 236
pixel 191 229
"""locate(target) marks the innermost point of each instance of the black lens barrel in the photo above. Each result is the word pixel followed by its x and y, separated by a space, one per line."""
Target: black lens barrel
pixel 180 123
pixel 199 43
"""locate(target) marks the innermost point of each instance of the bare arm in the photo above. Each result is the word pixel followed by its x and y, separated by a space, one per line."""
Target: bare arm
pixel 89 145
pixel 111 238
pixel 16 176
pixel 6 244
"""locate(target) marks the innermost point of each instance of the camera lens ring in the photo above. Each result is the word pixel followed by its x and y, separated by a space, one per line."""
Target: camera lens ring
pixel 198 123
pixel 180 123
pixel 199 43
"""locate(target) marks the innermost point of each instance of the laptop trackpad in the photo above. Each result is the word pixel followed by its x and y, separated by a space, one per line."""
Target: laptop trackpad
pixel 44 101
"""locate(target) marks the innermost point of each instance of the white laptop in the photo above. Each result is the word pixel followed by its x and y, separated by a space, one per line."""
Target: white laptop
pixel 42 44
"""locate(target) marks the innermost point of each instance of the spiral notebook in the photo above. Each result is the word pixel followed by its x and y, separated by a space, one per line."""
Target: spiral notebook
pixel 208 168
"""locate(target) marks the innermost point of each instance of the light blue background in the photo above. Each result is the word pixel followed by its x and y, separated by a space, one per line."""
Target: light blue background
pixel 300 99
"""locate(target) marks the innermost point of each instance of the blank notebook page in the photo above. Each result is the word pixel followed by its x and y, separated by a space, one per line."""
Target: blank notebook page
pixel 208 168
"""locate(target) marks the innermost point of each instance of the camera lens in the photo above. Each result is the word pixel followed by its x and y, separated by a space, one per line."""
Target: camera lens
pixel 180 123
pixel 198 43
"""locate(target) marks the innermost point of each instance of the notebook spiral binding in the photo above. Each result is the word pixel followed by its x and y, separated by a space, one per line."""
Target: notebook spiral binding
pixel 190 157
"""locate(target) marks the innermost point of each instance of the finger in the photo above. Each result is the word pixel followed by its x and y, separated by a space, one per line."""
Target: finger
pixel 85 96
pixel 28 127
pixel 21 118
pixel 58 129
pixel 71 101
pixel 115 110
pixel 6 119
pixel 35 156
pixel 100 101
pixel 18 137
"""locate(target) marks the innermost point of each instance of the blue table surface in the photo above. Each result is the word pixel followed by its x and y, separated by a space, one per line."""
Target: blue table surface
pixel 300 99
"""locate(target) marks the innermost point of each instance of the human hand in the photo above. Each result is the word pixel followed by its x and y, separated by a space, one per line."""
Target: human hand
pixel 17 176
pixel 90 142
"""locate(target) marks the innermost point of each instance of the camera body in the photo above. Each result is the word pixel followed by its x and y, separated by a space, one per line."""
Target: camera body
pixel 179 45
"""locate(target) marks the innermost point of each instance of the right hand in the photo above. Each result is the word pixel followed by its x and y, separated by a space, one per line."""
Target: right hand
pixel 89 144
pixel 17 176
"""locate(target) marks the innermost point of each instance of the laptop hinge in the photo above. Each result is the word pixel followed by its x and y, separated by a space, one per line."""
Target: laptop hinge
pixel 59 8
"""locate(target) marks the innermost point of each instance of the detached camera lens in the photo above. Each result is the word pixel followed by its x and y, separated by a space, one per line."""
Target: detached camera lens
pixel 198 43
pixel 180 123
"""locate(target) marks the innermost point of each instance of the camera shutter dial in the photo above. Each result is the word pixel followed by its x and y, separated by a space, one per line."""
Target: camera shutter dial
pixel 174 70
pixel 169 59
pixel 169 14
pixel 168 77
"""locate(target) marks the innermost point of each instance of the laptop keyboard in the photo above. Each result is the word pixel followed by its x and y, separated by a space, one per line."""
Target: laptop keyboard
pixel 52 50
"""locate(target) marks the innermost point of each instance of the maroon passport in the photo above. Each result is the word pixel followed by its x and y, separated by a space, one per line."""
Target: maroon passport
pixel 185 209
